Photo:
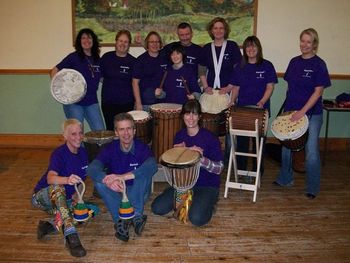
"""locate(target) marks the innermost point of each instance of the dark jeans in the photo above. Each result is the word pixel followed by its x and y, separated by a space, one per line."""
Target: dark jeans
pixel 243 146
pixel 110 110
pixel 201 210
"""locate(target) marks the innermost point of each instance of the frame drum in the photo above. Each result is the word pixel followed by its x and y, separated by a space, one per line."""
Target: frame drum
pixel 68 86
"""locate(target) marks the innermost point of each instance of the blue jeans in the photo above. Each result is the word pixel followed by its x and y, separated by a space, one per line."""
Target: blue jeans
pixel 91 113
pixel 138 194
pixel 201 210
pixel 312 159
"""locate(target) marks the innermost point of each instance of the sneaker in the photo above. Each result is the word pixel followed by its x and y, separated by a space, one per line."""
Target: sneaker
pixel 122 230
pixel 76 249
pixel 283 185
pixel 139 223
pixel 44 228
pixel 310 196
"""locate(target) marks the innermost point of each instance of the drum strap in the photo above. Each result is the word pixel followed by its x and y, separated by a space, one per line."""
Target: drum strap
pixel 217 63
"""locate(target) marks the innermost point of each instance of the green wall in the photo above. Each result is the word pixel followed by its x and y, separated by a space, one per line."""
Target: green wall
pixel 27 107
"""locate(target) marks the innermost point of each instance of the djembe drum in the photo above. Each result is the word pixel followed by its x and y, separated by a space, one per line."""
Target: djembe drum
pixel 243 118
pixel 143 125
pixel 214 107
pixel 166 123
pixel 181 166
pixel 94 141
pixel 68 86
pixel 292 135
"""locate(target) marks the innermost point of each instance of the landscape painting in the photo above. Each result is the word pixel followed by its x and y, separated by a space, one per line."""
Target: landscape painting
pixel 106 17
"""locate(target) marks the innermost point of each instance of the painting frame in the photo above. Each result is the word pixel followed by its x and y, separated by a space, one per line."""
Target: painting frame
pixel 239 31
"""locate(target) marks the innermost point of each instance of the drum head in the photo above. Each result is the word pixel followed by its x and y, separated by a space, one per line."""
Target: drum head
pixel 68 86
pixel 214 103
pixel 99 137
pixel 171 107
pixel 180 156
pixel 284 129
pixel 139 115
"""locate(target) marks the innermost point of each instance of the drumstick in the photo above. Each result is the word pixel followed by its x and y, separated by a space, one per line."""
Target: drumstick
pixel 163 79
pixel 186 86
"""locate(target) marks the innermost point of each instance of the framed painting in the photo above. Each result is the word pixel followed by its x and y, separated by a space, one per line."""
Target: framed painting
pixel 106 17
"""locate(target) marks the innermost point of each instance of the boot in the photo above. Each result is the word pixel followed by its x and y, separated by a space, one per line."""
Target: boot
pixel 75 247
pixel 139 223
pixel 44 228
pixel 122 229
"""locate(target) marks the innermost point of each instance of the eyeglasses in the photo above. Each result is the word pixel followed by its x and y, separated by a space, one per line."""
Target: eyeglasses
pixel 154 42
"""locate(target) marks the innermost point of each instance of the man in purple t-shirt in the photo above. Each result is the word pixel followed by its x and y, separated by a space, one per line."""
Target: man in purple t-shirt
pixel 126 160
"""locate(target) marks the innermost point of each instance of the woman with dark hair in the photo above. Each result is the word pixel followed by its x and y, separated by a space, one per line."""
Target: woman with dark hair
pixel 253 83
pixel 307 77
pixel 206 189
pixel 86 60
pixel 117 67
pixel 148 72
pixel 180 83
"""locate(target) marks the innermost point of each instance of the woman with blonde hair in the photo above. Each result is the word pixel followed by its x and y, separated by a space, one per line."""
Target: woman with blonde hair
pixel 307 76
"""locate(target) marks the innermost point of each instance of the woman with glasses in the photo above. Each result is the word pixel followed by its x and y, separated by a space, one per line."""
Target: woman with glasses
pixel 117 67
pixel 148 72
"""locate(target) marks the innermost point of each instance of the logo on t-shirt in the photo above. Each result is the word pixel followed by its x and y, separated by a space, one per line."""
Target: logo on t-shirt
pixel 124 69
pixel 190 60
pixel 260 74
pixel 179 83
pixel 134 165
pixel 307 73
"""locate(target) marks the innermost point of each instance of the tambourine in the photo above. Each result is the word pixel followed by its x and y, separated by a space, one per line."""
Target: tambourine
pixel 68 86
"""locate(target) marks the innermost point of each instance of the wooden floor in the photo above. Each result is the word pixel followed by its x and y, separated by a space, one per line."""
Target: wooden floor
pixel 282 226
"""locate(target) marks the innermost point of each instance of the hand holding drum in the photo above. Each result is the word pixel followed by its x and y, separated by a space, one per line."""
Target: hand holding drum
pixel 68 86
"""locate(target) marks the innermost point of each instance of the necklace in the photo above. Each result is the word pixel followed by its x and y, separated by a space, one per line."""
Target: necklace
pixel 91 67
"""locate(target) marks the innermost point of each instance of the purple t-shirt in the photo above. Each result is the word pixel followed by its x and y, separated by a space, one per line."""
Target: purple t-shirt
pixel 117 78
pixel 90 70
pixel 303 75
pixel 193 54
pixel 149 70
pixel 174 86
pixel 65 163
pixel 119 162
pixel 211 149
pixel 232 56
pixel 252 80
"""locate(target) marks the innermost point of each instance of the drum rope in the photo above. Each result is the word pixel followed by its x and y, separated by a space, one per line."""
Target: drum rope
pixel 80 193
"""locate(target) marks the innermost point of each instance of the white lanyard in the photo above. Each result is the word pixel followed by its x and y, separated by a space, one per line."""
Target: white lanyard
pixel 217 64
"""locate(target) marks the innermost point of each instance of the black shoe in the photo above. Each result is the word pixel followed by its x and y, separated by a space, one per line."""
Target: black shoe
pixel 310 196
pixel 76 249
pixel 122 229
pixel 139 223
pixel 44 228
